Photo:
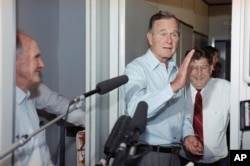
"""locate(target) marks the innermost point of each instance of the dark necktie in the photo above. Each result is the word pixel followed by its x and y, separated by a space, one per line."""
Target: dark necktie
pixel 198 122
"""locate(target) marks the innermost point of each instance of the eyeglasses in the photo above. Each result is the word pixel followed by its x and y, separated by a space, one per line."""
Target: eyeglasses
pixel 202 68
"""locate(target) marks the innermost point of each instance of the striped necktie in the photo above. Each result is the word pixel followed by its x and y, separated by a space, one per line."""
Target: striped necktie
pixel 197 121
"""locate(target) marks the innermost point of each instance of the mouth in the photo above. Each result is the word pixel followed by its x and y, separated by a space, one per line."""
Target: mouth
pixel 38 72
pixel 199 79
pixel 167 48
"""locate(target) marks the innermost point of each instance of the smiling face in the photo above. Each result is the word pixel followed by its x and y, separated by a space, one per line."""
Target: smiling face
pixel 28 63
pixel 164 38
pixel 200 72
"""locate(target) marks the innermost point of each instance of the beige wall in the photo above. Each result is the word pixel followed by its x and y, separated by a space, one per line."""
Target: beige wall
pixel 192 12
pixel 213 21
pixel 220 21
pixel 201 17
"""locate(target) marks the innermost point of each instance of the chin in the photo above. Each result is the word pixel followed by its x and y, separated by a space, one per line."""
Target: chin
pixel 36 81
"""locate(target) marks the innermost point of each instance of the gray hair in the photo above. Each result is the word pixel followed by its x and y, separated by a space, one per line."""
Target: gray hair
pixel 162 15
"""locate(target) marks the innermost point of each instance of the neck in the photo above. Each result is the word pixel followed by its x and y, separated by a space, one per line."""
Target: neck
pixel 22 86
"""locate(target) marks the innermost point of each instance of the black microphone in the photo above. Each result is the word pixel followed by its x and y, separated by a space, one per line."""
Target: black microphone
pixel 116 136
pixel 103 87
pixel 136 127
pixel 109 85
pixel 139 121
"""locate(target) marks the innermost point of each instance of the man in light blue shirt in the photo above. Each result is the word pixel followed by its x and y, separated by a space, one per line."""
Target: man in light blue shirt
pixel 28 67
pixel 156 79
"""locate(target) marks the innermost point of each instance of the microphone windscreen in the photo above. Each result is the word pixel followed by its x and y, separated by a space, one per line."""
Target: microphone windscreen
pixel 117 135
pixel 139 120
pixel 109 85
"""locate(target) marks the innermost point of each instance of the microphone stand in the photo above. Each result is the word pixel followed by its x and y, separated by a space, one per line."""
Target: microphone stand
pixel 78 102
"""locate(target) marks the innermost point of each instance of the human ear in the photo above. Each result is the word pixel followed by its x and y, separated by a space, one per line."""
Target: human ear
pixel 149 37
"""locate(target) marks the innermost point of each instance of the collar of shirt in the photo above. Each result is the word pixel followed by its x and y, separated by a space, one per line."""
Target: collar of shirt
pixel 153 62
pixel 204 90
pixel 21 95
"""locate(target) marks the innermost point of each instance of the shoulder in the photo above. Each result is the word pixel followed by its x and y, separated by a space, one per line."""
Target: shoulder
pixel 220 81
pixel 138 61
pixel 144 60
pixel 220 84
pixel 137 65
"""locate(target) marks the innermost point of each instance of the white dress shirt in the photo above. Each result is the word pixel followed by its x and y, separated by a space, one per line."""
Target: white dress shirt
pixel 216 113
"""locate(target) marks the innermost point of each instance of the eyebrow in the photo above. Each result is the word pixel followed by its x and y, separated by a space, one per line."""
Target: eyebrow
pixel 165 30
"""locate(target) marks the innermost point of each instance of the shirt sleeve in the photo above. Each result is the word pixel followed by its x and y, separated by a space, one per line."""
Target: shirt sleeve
pixel 56 103
pixel 187 128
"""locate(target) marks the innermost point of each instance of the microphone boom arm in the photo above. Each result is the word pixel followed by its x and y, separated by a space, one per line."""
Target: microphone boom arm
pixel 91 92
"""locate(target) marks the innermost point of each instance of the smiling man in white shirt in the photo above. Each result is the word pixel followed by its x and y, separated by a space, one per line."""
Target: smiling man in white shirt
pixel 215 94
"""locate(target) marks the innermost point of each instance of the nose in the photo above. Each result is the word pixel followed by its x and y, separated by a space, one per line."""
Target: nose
pixel 168 38
pixel 41 63
pixel 199 71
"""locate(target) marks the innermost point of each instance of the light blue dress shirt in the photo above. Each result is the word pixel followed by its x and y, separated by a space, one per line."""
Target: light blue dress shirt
pixel 149 81
pixel 35 151
pixel 55 103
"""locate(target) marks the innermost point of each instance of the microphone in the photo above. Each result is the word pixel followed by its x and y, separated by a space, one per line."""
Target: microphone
pixel 109 85
pixel 136 127
pixel 139 121
pixel 116 136
pixel 104 87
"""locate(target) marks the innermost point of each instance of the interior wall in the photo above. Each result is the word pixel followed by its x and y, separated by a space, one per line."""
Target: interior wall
pixel 135 30
pixel 71 47
pixel 220 18
pixel 186 42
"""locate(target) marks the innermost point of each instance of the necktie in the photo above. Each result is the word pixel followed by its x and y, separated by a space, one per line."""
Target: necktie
pixel 197 122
